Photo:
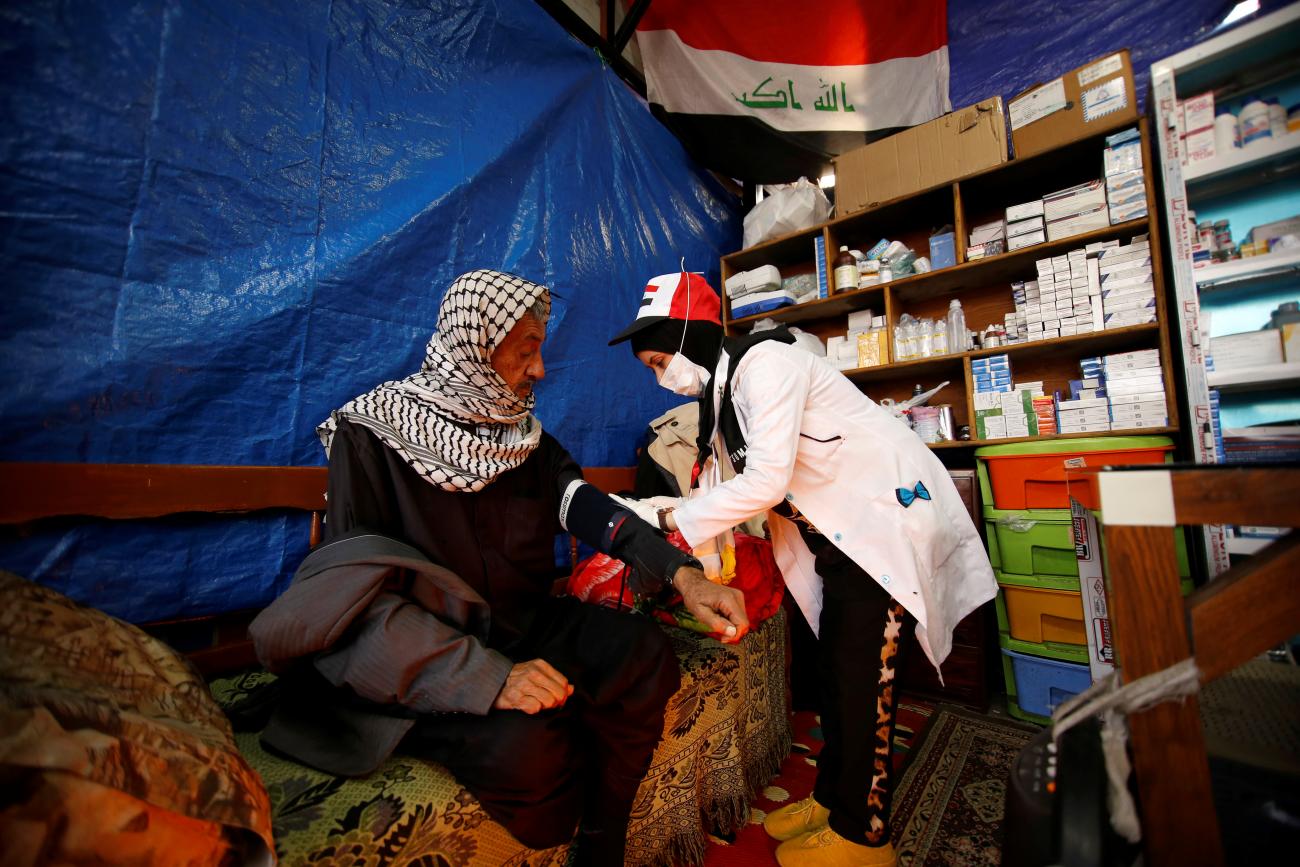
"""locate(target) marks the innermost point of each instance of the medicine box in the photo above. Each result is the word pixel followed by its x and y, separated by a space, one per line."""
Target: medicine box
pixel 1198 113
pixel 995 231
pixel 1019 242
pixel 1137 397
pixel 1083 427
pixel 1124 158
pixel 1250 349
pixel 1024 211
pixel 943 251
pixel 1141 385
pixel 1020 227
pixel 1114 375
pixel 1074 200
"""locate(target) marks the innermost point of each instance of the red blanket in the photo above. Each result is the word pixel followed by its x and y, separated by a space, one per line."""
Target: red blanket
pixel 602 580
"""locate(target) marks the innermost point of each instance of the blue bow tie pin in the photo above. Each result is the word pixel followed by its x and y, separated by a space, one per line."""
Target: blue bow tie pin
pixel 907 496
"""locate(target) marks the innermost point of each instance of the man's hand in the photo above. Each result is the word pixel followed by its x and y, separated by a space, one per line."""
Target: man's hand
pixel 532 687
pixel 718 607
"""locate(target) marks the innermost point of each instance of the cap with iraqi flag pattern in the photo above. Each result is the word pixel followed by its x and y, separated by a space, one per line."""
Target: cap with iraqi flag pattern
pixel 680 295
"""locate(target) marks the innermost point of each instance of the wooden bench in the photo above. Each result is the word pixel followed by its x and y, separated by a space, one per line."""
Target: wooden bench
pixel 725 735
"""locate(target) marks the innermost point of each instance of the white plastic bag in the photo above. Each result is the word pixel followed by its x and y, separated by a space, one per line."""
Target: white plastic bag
pixel 786 208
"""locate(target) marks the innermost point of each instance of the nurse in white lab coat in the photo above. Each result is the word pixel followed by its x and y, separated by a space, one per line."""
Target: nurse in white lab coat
pixel 867 528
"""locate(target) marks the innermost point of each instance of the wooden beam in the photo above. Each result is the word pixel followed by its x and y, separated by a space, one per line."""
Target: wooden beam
pixel 1179 824
pixel 1267 589
pixel 46 490
pixel 572 22
pixel 611 480
pixel 628 27
pixel 1269 497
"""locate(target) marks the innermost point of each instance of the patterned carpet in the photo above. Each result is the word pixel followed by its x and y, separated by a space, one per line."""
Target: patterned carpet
pixel 948 806
pixel 752 847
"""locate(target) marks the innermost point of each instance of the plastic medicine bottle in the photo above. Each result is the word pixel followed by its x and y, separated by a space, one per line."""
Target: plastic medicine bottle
pixel 1226 133
pixel 1254 122
pixel 956 327
pixel 1276 117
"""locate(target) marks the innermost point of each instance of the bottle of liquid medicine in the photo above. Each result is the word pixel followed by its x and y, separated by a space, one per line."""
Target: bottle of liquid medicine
pixel 956 327
pixel 846 271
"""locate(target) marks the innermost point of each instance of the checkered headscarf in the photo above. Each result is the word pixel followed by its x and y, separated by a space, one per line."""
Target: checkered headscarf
pixel 456 422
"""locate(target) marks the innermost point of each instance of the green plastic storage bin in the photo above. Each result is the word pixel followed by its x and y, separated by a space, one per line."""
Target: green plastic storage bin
pixel 1031 542
pixel 1039 543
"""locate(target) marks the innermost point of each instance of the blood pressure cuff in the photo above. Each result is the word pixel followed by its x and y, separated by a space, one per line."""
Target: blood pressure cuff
pixel 609 528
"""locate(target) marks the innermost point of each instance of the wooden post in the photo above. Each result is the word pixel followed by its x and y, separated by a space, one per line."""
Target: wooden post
pixel 1173 774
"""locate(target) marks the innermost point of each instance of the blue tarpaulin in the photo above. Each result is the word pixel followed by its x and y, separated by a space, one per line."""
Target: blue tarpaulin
pixel 224 219
pixel 1003 47
pixel 221 219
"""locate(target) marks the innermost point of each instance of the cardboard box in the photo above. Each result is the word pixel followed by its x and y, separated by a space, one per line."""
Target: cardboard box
pixel 1291 342
pixel 1096 97
pixel 1289 226
pixel 949 147
pixel 1198 112
pixel 873 349
pixel 1250 349
pixel 1199 146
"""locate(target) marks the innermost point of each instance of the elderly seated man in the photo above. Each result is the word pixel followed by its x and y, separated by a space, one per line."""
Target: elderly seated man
pixel 549 712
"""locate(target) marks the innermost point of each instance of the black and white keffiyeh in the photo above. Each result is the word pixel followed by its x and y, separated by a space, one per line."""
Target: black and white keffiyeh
pixel 456 422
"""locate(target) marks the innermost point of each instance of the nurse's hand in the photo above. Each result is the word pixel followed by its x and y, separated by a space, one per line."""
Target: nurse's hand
pixel 717 606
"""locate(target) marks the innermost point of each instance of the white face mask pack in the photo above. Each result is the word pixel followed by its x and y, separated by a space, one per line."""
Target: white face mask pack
pixel 683 376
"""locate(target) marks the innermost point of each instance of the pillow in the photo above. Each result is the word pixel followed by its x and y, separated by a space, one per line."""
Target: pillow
pixel 111 747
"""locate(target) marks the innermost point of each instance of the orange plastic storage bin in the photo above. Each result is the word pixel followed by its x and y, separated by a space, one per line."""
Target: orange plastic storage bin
pixel 1040 615
pixel 1032 475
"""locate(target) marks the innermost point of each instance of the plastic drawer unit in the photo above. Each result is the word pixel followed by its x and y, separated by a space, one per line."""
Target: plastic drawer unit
pixel 1040 684
pixel 1032 475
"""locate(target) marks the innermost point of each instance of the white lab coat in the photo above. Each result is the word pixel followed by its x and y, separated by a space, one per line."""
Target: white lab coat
pixel 812 437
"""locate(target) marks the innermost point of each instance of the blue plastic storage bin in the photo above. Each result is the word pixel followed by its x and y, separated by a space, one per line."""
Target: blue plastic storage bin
pixel 1043 684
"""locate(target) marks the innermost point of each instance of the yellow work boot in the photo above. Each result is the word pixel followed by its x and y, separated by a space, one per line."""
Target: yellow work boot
pixel 794 819
pixel 825 848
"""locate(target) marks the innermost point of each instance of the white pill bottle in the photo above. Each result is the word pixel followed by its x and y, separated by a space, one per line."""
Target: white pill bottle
pixel 1255 129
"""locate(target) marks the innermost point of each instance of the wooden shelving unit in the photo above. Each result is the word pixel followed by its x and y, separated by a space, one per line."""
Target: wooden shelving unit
pixel 983 285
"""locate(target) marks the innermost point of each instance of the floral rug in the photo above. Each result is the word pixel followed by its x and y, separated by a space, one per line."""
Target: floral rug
pixel 948 807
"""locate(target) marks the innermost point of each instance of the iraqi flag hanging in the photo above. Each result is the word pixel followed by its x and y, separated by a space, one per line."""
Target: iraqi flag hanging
pixel 768 90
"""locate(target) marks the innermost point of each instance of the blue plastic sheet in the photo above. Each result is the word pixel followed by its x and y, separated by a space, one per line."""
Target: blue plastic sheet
pixel 1002 47
pixel 222 220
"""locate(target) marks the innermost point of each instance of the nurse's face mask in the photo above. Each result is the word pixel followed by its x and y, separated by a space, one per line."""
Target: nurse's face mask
pixel 683 376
